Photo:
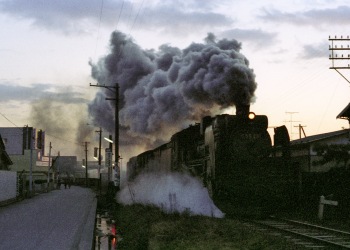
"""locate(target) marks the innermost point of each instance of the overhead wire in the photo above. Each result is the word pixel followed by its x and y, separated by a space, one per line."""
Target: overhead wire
pixel 8 119
pixel 120 13
pixel 296 91
pixel 137 15
pixel 98 29
pixel 46 134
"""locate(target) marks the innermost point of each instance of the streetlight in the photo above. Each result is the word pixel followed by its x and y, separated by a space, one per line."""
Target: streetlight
pixel 109 140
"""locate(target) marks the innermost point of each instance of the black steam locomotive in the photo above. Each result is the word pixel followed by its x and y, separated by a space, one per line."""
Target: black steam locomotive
pixel 234 158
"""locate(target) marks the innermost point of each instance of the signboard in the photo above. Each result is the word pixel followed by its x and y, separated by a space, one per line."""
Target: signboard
pixel 323 202
pixel 329 202
pixel 108 161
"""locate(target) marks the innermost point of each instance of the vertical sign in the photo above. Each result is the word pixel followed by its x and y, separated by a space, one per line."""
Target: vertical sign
pixel 108 162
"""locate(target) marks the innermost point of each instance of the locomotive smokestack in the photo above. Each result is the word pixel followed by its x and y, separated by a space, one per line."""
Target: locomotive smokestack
pixel 242 109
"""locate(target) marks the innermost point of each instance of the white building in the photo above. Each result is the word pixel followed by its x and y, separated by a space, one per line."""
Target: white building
pixel 25 146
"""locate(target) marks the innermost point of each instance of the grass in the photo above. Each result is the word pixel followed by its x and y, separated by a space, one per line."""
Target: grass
pixel 142 227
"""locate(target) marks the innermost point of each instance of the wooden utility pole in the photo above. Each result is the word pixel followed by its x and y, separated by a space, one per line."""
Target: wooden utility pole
pixel 32 139
pixel 340 54
pixel 48 167
pixel 99 146
pixel 301 129
pixel 86 164
pixel 115 90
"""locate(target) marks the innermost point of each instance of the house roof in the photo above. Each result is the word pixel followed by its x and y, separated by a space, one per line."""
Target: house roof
pixel 319 137
pixel 345 114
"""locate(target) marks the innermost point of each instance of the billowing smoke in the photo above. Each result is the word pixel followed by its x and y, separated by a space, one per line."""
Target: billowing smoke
pixel 59 120
pixel 173 192
pixel 165 90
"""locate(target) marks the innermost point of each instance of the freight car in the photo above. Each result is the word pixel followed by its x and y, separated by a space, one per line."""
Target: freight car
pixel 234 158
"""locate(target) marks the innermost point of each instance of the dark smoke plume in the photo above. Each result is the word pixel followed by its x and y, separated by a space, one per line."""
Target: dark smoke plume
pixel 162 91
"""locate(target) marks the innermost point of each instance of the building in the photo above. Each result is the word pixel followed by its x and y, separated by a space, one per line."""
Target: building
pixel 25 146
pixel 304 155
pixel 5 160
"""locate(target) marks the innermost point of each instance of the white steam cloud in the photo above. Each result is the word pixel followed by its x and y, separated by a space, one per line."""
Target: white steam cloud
pixel 172 192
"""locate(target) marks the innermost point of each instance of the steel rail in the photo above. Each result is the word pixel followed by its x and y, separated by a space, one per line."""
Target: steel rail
pixel 315 233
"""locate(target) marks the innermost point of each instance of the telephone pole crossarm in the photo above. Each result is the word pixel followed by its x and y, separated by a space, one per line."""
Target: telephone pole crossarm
pixel 339 54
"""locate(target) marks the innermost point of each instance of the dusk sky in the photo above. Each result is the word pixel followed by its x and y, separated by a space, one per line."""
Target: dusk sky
pixel 46 48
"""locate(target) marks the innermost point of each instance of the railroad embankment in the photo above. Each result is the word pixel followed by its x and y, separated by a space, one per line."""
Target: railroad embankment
pixel 143 227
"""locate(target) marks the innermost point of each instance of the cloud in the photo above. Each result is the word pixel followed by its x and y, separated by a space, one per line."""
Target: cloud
pixel 312 51
pixel 78 16
pixel 315 17
pixel 170 19
pixel 256 36
pixel 62 94
pixel 73 16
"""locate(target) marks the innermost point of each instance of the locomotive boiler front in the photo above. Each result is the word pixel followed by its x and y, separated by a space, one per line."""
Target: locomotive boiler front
pixel 236 146
pixel 240 139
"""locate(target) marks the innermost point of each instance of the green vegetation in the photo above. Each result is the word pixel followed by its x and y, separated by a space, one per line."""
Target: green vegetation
pixel 143 227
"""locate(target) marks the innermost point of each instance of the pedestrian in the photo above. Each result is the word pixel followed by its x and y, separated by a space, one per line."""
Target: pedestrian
pixel 65 183
pixel 69 183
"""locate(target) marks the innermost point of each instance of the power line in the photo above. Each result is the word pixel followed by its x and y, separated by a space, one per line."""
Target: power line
pixel 98 30
pixel 8 119
pixel 137 15
pixel 120 13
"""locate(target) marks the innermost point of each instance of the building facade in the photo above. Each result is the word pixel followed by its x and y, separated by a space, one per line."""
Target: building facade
pixel 304 155
pixel 5 160
pixel 25 146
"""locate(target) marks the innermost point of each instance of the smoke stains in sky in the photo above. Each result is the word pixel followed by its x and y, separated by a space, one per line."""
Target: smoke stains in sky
pixel 162 91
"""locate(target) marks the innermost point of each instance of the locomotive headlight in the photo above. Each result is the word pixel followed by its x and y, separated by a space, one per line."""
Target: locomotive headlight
pixel 251 115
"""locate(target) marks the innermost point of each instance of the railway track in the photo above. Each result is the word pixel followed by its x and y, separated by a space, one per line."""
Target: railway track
pixel 305 234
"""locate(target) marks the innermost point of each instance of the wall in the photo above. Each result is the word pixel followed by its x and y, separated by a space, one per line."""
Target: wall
pixel 8 185
pixel 22 162
pixel 13 139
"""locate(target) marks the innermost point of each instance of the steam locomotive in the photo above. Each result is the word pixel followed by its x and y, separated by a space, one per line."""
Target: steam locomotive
pixel 234 158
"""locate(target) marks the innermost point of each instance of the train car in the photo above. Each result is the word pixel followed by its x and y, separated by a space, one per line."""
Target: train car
pixel 232 155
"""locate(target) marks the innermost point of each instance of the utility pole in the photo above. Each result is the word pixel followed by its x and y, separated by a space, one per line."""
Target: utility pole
pixel 115 90
pixel 31 137
pixel 301 129
pixel 337 47
pixel 99 146
pixel 48 167
pixel 86 164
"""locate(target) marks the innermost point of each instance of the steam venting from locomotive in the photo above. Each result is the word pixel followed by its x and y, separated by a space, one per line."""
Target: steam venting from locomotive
pixel 164 90
pixel 172 192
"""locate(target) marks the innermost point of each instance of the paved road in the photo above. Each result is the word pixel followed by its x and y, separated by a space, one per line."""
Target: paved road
pixel 61 219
